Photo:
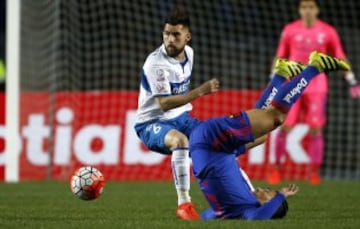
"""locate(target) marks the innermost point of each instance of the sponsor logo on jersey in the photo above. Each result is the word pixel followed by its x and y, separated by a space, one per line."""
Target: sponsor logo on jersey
pixel 320 38
pixel 180 88
pixel 298 38
pixel 160 75
pixel 161 88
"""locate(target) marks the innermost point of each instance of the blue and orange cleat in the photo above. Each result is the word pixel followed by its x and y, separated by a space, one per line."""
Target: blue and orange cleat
pixel 187 211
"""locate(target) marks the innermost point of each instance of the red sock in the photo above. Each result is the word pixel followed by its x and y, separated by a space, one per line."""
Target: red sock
pixel 316 151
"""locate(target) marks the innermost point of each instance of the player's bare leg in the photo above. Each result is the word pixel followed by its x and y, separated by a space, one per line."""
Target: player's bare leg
pixel 180 164
pixel 315 149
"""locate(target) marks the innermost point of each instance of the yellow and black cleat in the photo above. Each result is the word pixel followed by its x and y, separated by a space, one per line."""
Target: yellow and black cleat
pixel 326 63
pixel 288 69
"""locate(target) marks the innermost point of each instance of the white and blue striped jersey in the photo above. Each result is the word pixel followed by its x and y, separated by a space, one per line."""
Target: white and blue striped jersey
pixel 163 76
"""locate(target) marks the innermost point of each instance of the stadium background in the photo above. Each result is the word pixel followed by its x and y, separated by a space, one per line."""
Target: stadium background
pixel 87 55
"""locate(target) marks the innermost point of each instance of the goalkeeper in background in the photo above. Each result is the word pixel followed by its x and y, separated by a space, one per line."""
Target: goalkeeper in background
pixel 298 40
pixel 163 121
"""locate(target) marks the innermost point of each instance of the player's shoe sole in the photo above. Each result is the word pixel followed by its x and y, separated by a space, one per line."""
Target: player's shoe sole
pixel 326 63
pixel 187 211
pixel 288 69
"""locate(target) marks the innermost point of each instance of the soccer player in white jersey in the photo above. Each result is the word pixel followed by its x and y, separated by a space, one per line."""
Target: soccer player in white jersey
pixel 163 121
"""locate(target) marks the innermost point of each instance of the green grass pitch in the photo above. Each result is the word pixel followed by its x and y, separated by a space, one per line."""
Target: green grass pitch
pixel 333 204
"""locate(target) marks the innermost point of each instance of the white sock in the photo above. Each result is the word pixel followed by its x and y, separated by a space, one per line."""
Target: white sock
pixel 180 164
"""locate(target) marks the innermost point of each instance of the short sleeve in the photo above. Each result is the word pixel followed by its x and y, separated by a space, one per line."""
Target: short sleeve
pixel 155 80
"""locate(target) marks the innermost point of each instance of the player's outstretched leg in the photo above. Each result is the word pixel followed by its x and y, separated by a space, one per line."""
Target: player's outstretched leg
pixel 291 91
pixel 264 121
pixel 284 70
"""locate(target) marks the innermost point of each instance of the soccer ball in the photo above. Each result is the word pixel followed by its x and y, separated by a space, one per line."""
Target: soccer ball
pixel 87 183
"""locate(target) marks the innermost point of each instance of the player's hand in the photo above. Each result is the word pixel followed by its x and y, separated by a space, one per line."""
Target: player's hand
pixel 209 87
pixel 289 190
pixel 355 91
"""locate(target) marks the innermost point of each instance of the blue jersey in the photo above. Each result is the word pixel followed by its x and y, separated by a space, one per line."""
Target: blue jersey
pixel 214 146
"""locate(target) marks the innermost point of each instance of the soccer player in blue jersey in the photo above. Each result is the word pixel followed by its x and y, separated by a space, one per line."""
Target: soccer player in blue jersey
pixel 215 144
pixel 163 120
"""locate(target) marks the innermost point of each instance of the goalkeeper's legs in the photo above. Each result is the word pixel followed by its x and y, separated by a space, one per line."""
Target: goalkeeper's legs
pixel 316 152
pixel 315 118
pixel 292 118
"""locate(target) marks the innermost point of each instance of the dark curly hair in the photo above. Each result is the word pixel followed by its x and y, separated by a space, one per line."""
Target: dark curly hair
pixel 281 211
pixel 178 15
pixel 316 2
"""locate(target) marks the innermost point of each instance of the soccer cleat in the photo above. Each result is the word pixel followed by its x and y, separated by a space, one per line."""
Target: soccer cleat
pixel 288 69
pixel 187 211
pixel 326 63
pixel 274 177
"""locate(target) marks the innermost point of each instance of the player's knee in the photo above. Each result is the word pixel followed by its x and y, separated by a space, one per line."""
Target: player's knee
pixel 277 117
pixel 180 141
pixel 175 139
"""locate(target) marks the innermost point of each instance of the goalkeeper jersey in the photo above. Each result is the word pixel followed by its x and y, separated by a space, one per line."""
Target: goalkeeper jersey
pixel 298 41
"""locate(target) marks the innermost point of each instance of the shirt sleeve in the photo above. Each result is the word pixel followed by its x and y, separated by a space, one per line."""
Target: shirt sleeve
pixel 283 49
pixel 334 45
pixel 156 80
pixel 267 210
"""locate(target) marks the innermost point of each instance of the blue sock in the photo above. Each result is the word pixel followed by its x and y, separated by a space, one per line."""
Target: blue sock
pixel 270 91
pixel 290 92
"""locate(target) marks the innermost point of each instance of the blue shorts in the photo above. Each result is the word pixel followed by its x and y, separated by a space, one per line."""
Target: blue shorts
pixel 153 133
